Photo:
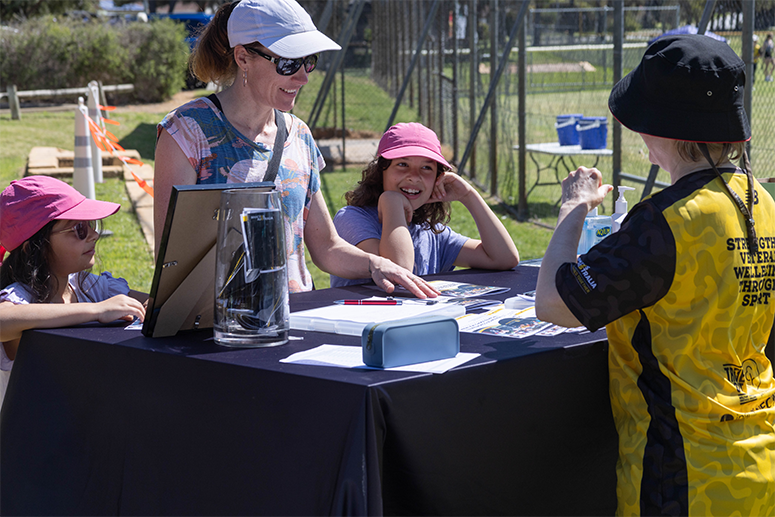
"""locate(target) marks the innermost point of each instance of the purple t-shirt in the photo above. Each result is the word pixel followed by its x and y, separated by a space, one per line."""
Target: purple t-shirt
pixel 433 253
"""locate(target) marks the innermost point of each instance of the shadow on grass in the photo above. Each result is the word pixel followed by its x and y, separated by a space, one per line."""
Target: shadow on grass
pixel 142 139
pixel 543 211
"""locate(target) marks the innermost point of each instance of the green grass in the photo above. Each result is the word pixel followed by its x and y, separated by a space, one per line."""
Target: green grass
pixel 124 253
pixel 368 106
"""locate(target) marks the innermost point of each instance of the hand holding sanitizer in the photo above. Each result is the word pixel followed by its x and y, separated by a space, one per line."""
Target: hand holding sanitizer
pixel 596 228
pixel 621 209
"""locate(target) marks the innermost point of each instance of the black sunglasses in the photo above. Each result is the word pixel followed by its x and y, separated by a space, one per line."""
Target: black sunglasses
pixel 81 229
pixel 287 66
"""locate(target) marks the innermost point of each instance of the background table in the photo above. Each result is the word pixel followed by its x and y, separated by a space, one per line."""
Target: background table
pixel 559 153
pixel 99 420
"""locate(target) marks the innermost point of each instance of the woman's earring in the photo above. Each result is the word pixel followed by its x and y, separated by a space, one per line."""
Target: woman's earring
pixel 245 77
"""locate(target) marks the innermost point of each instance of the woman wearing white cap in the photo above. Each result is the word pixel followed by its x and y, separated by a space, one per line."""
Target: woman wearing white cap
pixel 262 52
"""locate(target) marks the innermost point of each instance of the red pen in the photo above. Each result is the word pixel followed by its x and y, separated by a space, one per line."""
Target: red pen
pixel 368 302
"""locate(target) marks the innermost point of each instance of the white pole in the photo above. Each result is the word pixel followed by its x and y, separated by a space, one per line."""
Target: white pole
pixel 83 173
pixel 94 114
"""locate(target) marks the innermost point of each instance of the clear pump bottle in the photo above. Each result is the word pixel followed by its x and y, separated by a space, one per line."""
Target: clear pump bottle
pixel 620 211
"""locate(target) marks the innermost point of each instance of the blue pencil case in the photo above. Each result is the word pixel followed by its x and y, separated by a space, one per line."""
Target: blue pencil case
pixel 410 341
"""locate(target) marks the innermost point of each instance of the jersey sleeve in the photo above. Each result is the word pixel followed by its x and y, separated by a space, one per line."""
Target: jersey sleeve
pixel 629 270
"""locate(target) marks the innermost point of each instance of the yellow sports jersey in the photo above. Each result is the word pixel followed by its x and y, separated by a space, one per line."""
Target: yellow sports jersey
pixel 688 311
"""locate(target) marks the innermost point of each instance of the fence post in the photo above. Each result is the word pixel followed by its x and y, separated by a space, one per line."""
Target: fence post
pixel 13 103
pixel 473 79
pixel 749 15
pixel 103 99
pixel 618 72
pixel 83 174
pixel 706 14
pixel 94 115
pixel 522 208
pixel 494 35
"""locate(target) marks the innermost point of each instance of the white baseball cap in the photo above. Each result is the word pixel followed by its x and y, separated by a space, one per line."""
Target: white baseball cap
pixel 282 26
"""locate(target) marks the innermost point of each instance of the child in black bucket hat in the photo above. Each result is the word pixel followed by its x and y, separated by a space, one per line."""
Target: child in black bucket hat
pixel 684 289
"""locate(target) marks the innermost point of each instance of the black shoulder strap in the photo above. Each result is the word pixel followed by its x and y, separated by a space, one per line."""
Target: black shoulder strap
pixel 277 150
pixel 279 140
pixel 214 99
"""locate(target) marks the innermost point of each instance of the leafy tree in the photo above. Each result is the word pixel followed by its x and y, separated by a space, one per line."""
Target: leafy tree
pixel 10 9
pixel 153 5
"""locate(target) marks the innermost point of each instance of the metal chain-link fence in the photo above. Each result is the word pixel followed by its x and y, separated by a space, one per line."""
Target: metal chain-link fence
pixel 455 66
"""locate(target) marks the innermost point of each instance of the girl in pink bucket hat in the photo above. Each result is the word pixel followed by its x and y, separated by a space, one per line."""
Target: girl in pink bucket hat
pixel 401 207
pixel 49 230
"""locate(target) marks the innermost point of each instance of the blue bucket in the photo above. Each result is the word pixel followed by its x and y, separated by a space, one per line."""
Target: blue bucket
pixel 566 128
pixel 593 132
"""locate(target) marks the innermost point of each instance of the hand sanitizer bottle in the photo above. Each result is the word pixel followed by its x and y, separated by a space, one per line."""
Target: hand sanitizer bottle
pixel 621 209
pixel 596 228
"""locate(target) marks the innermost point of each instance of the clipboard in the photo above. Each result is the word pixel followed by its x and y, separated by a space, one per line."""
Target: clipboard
pixel 182 293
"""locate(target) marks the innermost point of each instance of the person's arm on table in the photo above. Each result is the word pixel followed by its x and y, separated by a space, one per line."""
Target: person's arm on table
pixel 336 256
pixel 495 248
pixel 582 190
pixel 395 214
pixel 171 167
pixel 16 318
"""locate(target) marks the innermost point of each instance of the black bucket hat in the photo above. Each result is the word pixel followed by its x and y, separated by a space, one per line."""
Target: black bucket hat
pixel 688 87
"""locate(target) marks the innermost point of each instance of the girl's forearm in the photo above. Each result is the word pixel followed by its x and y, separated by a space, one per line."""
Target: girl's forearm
pixel 496 241
pixel 396 243
pixel 15 319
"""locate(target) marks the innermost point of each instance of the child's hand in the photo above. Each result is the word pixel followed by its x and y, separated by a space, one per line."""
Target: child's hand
pixel 450 187
pixel 119 307
pixel 391 202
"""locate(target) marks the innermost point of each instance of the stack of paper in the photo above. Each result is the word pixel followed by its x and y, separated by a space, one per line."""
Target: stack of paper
pixel 350 319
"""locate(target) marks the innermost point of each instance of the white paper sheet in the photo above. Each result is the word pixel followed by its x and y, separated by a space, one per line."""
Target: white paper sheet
pixel 352 357
pixel 350 319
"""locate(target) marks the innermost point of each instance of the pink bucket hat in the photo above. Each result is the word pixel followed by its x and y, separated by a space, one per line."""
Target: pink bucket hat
pixel 410 139
pixel 30 203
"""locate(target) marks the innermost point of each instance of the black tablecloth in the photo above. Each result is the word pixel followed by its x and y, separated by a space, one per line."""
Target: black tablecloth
pixel 99 420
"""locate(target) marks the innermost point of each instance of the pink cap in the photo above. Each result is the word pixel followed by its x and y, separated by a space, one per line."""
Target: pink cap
pixel 410 139
pixel 30 203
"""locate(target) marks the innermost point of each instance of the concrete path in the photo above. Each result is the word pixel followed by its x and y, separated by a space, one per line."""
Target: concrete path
pixel 356 151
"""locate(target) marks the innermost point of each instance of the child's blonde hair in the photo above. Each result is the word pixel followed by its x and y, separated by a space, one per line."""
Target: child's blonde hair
pixel 690 151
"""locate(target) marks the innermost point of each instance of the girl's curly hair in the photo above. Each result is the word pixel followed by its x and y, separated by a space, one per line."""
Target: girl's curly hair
pixel 28 265
pixel 434 216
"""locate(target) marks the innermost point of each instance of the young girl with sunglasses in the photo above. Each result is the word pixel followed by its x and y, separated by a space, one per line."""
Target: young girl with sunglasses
pixel 49 230
pixel 400 210
pixel 261 53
